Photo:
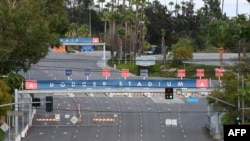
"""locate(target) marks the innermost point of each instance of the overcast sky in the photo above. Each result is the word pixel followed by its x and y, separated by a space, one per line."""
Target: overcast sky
pixel 229 6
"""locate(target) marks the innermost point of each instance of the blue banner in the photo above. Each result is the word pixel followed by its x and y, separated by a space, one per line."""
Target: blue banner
pixel 76 40
pixel 114 83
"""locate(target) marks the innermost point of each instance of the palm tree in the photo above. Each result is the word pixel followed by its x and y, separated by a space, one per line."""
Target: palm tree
pixel 222 7
pixel 163 33
pixel 128 17
pixel 171 5
pixel 101 3
pixel 121 35
pixel 105 19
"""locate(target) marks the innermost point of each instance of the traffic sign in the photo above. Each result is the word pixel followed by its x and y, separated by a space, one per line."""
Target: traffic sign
pixel 145 60
pixel 105 72
pixel 144 72
pixel 202 83
pixel 68 72
pixel 57 117
pixel 87 72
pixel 125 73
pixel 181 73
pixel 15 113
pixel 74 119
pixel 192 100
pixel 4 127
pixel 218 72
pixel 200 72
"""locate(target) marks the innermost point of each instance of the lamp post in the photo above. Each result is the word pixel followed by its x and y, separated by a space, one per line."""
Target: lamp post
pixel 238 94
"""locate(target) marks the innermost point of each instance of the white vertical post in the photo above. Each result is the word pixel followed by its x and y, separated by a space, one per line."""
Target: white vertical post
pixel 104 51
pixel 16 109
pixel 30 113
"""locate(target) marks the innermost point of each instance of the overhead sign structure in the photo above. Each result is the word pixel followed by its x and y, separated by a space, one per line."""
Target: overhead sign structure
pixel 115 83
pixel 83 41
pixel 145 60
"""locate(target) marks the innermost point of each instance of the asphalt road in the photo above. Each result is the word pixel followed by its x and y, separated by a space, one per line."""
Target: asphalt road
pixel 137 118
pixel 101 118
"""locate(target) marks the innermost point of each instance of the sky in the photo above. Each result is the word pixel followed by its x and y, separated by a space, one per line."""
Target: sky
pixel 229 6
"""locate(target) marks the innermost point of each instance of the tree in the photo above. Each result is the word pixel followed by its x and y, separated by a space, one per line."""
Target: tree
pixel 182 50
pixel 163 31
pixel 27 29
pixel 231 91
pixel 5 97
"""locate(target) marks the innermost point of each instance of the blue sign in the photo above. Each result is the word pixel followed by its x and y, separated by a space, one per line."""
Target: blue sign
pixel 76 40
pixel 192 100
pixel 114 83
pixel 144 72
pixel 87 48
pixel 87 72
pixel 68 72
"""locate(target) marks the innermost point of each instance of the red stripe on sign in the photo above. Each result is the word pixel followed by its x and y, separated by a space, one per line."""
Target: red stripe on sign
pixel 201 83
pixel 31 84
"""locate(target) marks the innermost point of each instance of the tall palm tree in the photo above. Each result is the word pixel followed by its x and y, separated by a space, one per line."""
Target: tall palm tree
pixel 101 2
pixel 163 33
pixel 222 7
pixel 171 5
pixel 105 19
pixel 128 17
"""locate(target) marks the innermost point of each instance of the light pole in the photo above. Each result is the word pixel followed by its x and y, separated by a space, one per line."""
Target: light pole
pixel 238 93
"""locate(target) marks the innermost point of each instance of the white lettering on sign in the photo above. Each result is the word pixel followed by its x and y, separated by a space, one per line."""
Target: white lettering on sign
pixel 62 84
pixel 235 132
pixel 104 83
pixel 31 86
pixel 129 83
pixel 120 83
pixel 139 84
pixel 84 84
pixel 202 84
pixel 180 84
pixel 168 84
pixel 73 84
pixel 51 85
pixel 150 84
